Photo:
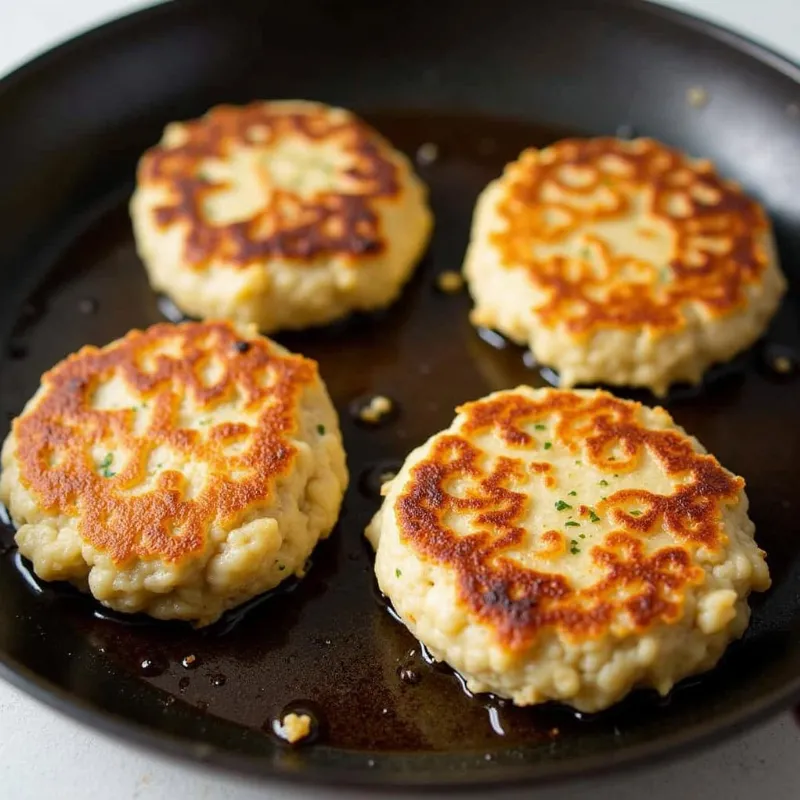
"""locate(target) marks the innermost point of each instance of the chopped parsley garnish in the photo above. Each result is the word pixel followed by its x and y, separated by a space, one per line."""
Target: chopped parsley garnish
pixel 593 517
pixel 548 445
pixel 604 482
pixel 581 535
pixel 105 465
pixel 635 513
pixel 540 427
pixel 578 462
pixel 570 523
pixel 205 421
pixel 158 466
pixel 573 493
pixel 397 573
pixel 562 506
pixel 586 252
pixel 321 430
pixel 573 547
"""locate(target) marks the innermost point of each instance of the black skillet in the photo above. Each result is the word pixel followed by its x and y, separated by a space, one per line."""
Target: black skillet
pixel 481 81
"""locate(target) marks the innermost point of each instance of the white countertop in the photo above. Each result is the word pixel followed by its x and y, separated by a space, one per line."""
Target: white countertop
pixel 44 755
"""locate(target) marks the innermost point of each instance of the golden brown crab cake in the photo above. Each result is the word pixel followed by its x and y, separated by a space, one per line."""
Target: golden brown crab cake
pixel 622 262
pixel 567 545
pixel 280 214
pixel 178 471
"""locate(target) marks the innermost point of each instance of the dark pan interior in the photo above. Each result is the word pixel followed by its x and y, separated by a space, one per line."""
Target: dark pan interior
pixel 481 81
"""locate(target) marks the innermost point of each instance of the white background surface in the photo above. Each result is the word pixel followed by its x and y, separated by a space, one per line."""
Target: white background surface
pixel 43 755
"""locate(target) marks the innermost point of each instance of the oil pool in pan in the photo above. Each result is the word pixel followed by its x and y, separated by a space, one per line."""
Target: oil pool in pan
pixel 328 646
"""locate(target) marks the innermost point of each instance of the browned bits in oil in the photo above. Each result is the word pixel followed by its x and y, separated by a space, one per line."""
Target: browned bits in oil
pixel 779 361
pixel 183 685
pixel 374 410
pixel 295 727
pixel 517 602
pixel 218 680
pixel 450 282
pixel 190 662
pixel 782 365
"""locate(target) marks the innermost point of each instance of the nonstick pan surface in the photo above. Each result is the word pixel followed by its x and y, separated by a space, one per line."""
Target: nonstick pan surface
pixel 481 81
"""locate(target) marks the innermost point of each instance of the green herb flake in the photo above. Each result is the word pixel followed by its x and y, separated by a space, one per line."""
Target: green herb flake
pixel 548 445
pixel 573 493
pixel 581 535
pixel 540 427
pixel 397 573
pixel 105 465
pixel 604 482
pixel 205 421
pixel 572 524
pixel 321 430
pixel 586 252
pixel 593 517
pixel 159 466
pixel 574 548
pixel 562 506
pixel 635 513
pixel 579 462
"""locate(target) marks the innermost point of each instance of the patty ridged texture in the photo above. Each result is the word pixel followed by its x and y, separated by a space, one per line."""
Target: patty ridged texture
pixel 178 471
pixel 280 214
pixel 567 545
pixel 622 262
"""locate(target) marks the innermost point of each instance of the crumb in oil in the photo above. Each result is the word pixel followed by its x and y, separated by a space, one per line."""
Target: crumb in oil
pixel 294 728
pixel 377 408
pixel 450 282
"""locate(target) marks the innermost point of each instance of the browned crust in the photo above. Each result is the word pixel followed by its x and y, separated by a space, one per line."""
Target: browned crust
pixel 54 439
pixel 289 227
pixel 519 602
pixel 586 296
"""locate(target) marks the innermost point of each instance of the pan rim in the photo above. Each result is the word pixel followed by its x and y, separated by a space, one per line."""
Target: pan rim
pixel 719 729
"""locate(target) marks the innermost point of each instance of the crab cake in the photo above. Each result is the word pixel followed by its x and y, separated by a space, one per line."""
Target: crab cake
pixel 178 471
pixel 567 545
pixel 282 214
pixel 622 262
